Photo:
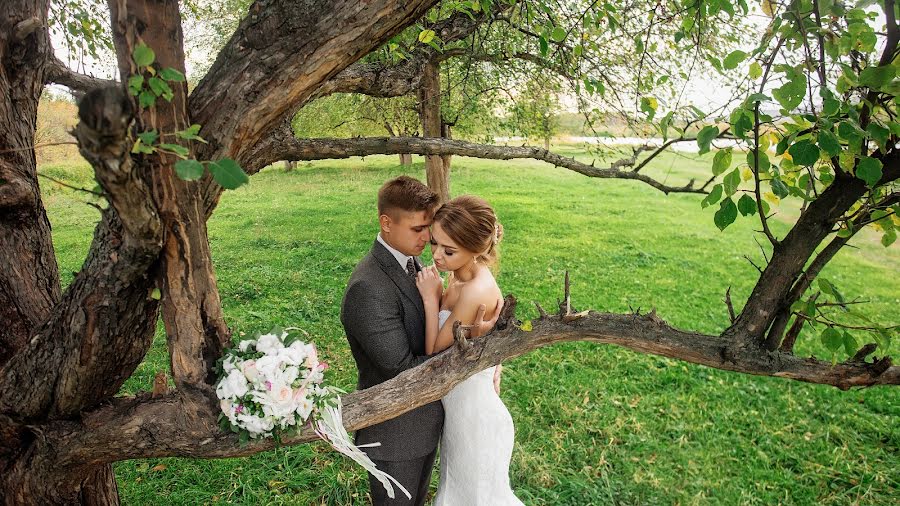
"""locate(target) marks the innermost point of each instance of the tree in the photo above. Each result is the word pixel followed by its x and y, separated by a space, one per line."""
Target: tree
pixel 150 253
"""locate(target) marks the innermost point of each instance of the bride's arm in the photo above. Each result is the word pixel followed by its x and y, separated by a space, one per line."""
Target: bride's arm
pixel 430 286
pixel 464 310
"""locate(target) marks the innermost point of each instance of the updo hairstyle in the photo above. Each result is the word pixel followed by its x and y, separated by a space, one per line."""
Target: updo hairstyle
pixel 471 223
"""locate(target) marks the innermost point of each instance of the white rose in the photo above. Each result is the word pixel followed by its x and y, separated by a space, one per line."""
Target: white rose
pixel 269 344
pixel 268 366
pixel 290 374
pixel 250 371
pixel 246 344
pixel 304 407
pixel 294 354
pixel 232 386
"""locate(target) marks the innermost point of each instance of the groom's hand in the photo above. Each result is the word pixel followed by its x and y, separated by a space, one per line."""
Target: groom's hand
pixel 482 326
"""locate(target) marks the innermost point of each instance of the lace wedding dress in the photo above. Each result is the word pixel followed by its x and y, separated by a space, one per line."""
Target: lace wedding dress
pixel 476 444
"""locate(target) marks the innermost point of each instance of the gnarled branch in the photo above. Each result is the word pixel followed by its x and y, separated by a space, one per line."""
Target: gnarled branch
pixel 120 430
pixel 286 147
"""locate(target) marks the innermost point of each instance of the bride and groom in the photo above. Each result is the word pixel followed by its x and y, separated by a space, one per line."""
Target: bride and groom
pixel 394 313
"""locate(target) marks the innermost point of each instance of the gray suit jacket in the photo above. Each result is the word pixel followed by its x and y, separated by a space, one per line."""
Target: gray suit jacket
pixel 384 319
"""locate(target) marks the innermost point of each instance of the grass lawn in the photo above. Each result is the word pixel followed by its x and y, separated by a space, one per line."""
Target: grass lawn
pixel 594 424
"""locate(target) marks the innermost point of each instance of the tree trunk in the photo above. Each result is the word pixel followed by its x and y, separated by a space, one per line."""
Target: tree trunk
pixel 29 281
pixel 405 159
pixel 190 297
pixel 289 165
pixel 437 173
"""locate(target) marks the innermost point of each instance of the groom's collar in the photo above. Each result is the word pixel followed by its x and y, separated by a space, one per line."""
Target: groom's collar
pixel 401 258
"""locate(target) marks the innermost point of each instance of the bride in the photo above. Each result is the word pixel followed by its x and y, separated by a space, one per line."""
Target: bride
pixel 477 441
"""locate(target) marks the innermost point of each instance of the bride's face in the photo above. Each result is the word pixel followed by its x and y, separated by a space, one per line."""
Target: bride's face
pixel 448 256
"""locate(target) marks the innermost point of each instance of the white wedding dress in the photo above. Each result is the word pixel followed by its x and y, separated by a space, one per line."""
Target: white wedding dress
pixel 476 444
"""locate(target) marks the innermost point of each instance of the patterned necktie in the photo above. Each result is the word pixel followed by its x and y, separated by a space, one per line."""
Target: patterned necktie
pixel 410 267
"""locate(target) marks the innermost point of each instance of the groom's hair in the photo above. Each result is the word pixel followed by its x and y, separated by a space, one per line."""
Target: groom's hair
pixel 407 194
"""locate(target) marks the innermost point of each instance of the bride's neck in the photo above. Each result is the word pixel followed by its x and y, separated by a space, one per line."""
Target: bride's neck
pixel 466 272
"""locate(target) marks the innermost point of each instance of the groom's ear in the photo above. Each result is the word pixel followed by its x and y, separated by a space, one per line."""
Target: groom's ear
pixel 384 221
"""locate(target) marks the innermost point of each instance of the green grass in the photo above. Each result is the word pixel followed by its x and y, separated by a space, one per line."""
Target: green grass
pixel 595 424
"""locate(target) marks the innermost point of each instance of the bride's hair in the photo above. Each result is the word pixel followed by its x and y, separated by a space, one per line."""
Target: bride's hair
pixel 472 224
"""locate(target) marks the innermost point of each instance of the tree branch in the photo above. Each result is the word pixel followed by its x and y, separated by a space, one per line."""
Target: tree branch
pixel 286 147
pixel 59 73
pixel 119 431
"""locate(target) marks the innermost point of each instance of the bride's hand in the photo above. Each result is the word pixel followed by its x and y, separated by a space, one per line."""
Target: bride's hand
pixel 430 285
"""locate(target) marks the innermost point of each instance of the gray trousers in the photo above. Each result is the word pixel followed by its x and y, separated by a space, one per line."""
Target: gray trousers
pixel 414 474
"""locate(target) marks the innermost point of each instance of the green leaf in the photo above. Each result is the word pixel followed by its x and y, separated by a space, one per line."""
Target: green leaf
pixel 726 214
pixel 190 133
pixel 146 99
pixel 869 170
pixel 790 95
pixel 155 294
pixel 176 148
pixel 890 235
pixel 228 173
pixel 527 326
pixel 850 344
pixel 706 136
pixel 755 70
pixel 876 77
pixel 804 152
pixel 746 205
pixel 829 143
pixel 170 74
pixel 722 161
pixel 733 59
pixel 731 182
pixel 189 170
pixel 135 83
pixel 850 132
pixel 830 106
pixel 832 339
pixel 140 147
pixel 161 88
pixel 764 162
pixel 148 137
pixel 558 34
pixel 426 36
pixel 714 195
pixel 879 134
pixel 826 286
pixel 545 46
pixel 779 188
pixel 143 56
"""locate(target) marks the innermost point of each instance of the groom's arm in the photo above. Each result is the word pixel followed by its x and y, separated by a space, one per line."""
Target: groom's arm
pixel 377 324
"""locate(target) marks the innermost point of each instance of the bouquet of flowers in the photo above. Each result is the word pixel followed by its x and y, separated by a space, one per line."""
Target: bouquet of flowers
pixel 272 385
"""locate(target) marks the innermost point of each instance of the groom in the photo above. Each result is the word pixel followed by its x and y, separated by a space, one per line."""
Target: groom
pixel 384 318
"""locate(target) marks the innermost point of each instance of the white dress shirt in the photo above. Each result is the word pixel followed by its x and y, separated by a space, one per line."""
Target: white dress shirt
pixel 401 258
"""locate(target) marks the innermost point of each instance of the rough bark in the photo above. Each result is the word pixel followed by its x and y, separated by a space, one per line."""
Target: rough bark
pixel 284 145
pixel 771 294
pixel 100 330
pixel 195 327
pixel 187 428
pixel 437 173
pixel 315 47
pixel 29 281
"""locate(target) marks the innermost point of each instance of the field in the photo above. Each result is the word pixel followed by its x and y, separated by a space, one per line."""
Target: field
pixel 594 424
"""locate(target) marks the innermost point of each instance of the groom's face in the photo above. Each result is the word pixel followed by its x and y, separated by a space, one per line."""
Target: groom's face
pixel 407 231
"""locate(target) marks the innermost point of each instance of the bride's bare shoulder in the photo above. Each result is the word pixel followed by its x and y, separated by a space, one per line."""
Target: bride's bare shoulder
pixel 483 288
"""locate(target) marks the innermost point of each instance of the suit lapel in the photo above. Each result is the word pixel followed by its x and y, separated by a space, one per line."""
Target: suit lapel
pixel 398 275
